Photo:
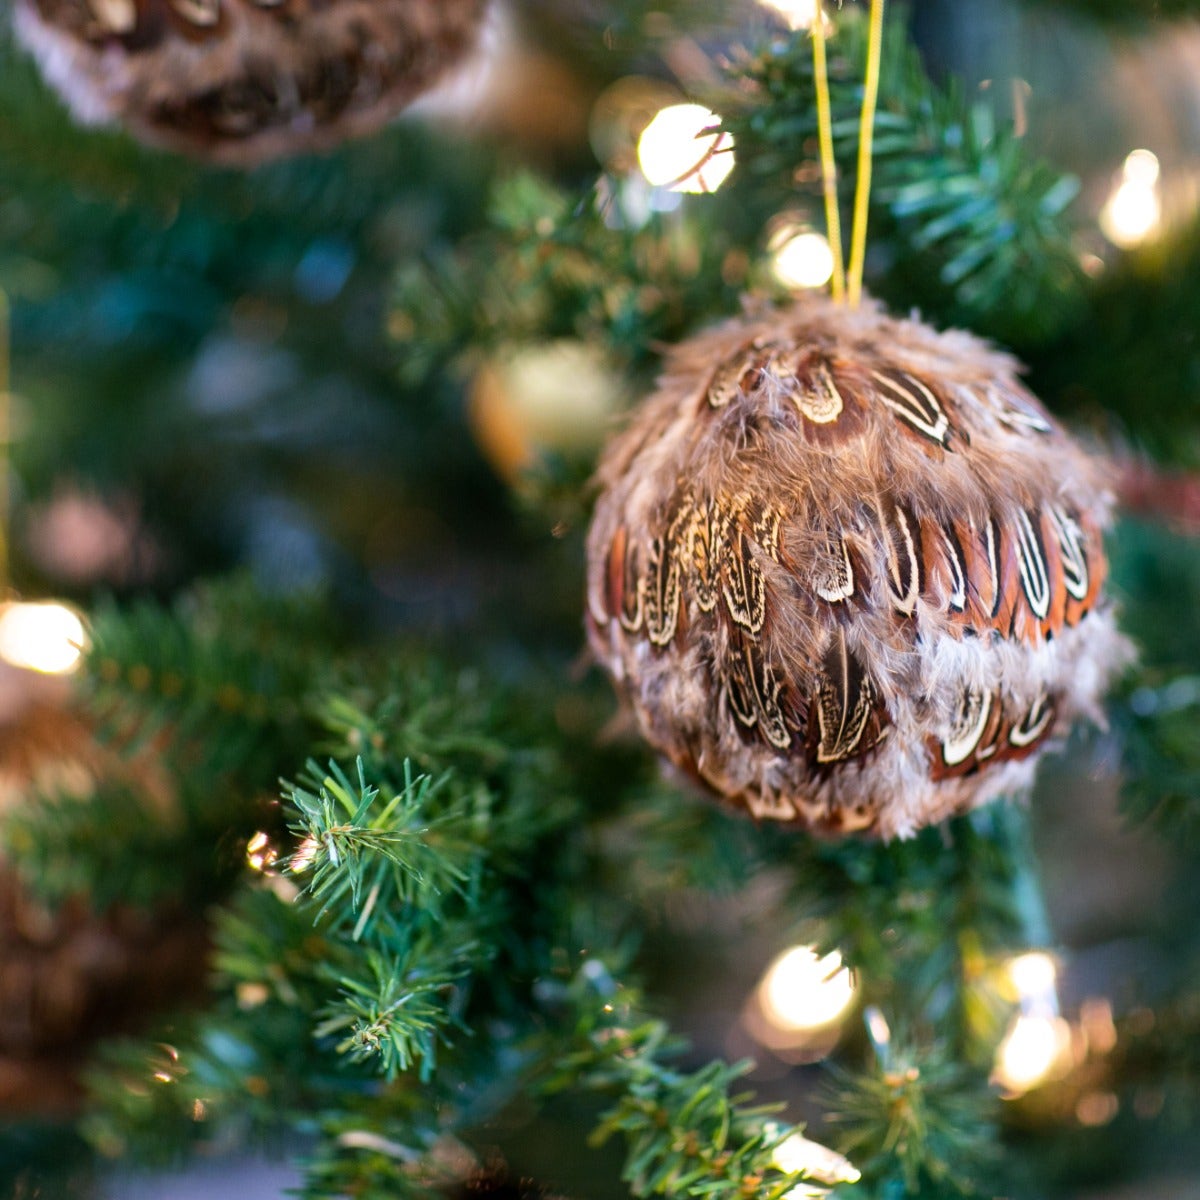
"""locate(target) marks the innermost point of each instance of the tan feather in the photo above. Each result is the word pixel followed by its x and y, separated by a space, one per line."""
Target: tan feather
pixel 241 81
pixel 870 568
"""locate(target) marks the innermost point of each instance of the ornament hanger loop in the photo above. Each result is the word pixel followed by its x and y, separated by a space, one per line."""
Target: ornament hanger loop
pixel 847 286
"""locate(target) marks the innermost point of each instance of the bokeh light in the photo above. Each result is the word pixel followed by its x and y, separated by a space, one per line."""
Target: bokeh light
pixel 797 1155
pixel 1034 975
pixel 45 637
pixel 1037 1046
pixel 799 14
pixel 682 150
pixel 804 260
pixel 1034 1050
pixel 1134 211
pixel 801 991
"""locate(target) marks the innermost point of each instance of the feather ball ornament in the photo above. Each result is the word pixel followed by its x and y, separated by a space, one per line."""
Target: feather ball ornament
pixel 242 81
pixel 849 572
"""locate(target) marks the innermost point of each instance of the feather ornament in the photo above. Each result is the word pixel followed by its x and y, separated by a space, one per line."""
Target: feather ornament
pixel 243 81
pixel 848 571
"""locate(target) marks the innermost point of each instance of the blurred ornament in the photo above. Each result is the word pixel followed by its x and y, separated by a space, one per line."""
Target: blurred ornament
pixel 550 398
pixel 72 974
pixel 82 538
pixel 848 570
pixel 241 81
pixel 683 149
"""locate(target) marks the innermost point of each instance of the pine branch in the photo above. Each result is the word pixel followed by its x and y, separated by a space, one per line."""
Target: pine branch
pixel 954 198
pixel 1154 717
pixel 402 1011
pixel 915 917
pixel 1161 753
pixel 202 707
pixel 402 853
pixel 1126 15
pixel 1141 390
pixel 555 266
pixel 918 1120
pixel 687 1133
pixel 219 684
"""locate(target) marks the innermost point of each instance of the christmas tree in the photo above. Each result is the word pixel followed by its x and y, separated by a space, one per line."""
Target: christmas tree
pixel 324 845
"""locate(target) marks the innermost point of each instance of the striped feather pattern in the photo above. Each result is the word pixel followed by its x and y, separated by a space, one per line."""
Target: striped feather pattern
pixel 847 570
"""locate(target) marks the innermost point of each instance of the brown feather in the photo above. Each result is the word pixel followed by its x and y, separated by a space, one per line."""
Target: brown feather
pixel 871 567
pixel 241 81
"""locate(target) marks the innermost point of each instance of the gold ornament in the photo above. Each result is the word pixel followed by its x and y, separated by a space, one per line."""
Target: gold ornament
pixel 849 571
pixel 241 81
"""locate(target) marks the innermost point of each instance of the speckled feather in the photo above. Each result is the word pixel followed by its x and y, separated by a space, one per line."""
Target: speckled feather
pixel 849 571
pixel 241 81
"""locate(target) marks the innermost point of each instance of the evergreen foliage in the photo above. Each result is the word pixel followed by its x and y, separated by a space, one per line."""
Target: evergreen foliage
pixel 443 924
pixel 446 911
pixel 1129 15
pixel 956 196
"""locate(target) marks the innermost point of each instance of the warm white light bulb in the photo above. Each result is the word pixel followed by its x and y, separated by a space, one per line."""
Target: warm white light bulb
pixel 1141 167
pixel 1034 975
pixel 804 261
pixel 41 637
pixel 803 992
pixel 796 1154
pixel 676 152
pixel 799 14
pixel 1033 1051
pixel 1133 211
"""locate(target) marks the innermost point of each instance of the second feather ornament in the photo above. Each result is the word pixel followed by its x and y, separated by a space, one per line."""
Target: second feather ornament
pixel 849 572
pixel 242 81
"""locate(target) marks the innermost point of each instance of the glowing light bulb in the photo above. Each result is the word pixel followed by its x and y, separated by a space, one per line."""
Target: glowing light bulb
pixel 803 992
pixel 1141 167
pixel 676 152
pixel 1034 1050
pixel 799 14
pixel 41 637
pixel 260 854
pixel 1034 975
pixel 878 1029
pixel 804 261
pixel 796 1155
pixel 1133 211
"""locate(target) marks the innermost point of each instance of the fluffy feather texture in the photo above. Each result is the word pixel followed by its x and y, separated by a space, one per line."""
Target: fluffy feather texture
pixel 241 81
pixel 849 571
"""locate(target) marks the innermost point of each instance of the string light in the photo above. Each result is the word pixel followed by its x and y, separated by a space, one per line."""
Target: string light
pixel 619 118
pixel 797 1155
pixel 45 637
pixel 1037 1045
pixel 799 14
pixel 680 149
pixel 260 854
pixel 798 1008
pixel 1035 977
pixel 1133 212
pixel 804 260
pixel 1033 1051
pixel 802 991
